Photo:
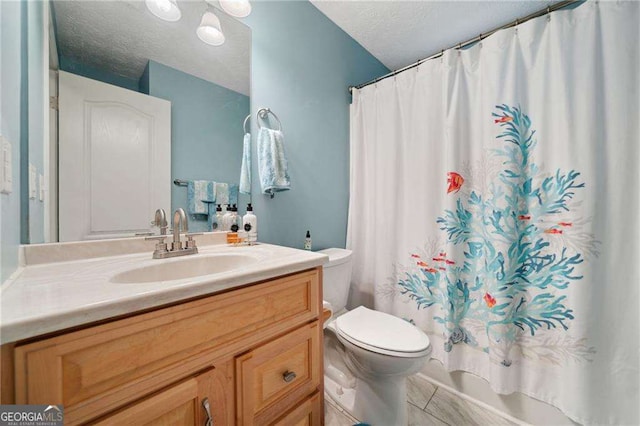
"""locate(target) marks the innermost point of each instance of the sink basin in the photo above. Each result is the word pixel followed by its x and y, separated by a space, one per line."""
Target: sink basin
pixel 187 267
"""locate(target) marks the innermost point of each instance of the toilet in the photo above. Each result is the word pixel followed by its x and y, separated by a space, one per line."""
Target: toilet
pixel 367 354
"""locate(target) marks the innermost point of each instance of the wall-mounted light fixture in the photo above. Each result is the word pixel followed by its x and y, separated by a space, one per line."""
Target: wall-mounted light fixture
pixel 167 10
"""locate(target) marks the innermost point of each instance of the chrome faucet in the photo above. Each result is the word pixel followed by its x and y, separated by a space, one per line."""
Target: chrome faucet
pixel 180 224
pixel 161 221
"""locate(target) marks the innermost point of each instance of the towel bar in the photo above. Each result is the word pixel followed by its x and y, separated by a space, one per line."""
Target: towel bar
pixel 264 113
pixel 244 124
pixel 180 182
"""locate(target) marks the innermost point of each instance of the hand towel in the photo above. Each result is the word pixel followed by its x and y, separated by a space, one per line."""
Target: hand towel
pixel 245 170
pixel 198 190
pixel 272 162
pixel 233 194
pixel 221 191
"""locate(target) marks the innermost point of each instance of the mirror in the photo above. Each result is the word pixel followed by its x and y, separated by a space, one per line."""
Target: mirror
pixel 137 102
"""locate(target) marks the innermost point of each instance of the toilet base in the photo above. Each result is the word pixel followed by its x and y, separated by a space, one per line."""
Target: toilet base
pixel 380 402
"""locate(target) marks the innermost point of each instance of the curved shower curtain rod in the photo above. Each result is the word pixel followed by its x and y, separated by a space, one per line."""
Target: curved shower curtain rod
pixel 482 36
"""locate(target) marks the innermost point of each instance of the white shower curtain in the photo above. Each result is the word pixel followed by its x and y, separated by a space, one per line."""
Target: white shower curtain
pixel 494 203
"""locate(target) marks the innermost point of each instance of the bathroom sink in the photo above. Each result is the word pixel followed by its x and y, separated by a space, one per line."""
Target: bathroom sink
pixel 187 267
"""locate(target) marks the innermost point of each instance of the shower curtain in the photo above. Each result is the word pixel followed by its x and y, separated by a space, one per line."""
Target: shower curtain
pixel 494 204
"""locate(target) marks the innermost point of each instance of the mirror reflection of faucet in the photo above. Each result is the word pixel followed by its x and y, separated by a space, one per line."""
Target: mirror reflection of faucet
pixel 180 225
pixel 160 221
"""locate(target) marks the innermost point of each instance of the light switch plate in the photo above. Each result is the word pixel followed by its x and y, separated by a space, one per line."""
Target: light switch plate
pixel 6 167
pixel 41 187
pixel 33 186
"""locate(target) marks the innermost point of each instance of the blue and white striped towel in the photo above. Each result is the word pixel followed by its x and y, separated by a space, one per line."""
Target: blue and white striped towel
pixel 198 190
pixel 225 193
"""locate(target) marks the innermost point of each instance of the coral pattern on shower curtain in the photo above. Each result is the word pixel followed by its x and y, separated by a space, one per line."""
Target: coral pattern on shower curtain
pixel 521 243
pixel 494 199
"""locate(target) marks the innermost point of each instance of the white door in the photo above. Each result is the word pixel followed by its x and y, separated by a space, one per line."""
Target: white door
pixel 114 159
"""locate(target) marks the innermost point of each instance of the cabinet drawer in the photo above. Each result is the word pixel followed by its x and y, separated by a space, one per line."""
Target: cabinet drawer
pixel 308 413
pixel 98 369
pixel 274 377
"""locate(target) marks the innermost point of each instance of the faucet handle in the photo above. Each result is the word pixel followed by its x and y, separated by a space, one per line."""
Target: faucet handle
pixel 161 246
pixel 190 241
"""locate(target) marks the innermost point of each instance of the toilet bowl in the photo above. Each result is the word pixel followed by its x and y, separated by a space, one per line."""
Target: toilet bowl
pixel 368 354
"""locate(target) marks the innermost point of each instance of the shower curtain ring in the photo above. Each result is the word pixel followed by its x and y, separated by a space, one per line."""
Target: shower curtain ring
pixel 548 14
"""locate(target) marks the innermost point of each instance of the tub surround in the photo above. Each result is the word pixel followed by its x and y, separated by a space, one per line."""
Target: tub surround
pixel 68 285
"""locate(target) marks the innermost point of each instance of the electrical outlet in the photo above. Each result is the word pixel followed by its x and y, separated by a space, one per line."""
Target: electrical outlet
pixel 41 187
pixel 6 167
pixel 33 186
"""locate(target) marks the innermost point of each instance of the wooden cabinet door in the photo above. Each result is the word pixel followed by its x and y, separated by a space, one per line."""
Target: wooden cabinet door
pixel 181 405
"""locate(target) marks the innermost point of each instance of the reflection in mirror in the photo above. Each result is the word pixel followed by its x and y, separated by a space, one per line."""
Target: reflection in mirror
pixel 141 101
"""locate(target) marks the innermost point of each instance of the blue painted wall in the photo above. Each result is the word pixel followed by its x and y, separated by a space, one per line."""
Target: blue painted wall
pixel 302 65
pixel 206 129
pixel 10 103
pixel 76 67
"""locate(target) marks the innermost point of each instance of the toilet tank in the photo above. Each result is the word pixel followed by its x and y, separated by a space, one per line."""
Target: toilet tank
pixel 336 277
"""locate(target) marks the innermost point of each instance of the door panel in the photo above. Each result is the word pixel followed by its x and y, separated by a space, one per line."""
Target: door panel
pixel 114 157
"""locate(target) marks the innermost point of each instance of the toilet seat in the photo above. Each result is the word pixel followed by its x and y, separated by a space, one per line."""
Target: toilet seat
pixel 382 333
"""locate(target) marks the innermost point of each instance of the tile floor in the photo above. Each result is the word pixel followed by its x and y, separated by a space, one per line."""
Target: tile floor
pixel 428 406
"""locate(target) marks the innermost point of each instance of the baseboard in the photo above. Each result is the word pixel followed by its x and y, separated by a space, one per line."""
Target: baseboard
pixel 473 400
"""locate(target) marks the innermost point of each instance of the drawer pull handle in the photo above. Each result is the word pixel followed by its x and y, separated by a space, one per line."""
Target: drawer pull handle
pixel 288 376
pixel 207 409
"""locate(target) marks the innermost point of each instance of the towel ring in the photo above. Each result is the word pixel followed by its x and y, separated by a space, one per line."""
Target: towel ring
pixel 264 113
pixel 244 124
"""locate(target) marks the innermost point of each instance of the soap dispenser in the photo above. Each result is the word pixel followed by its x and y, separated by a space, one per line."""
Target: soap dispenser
pixel 232 234
pixel 226 218
pixel 235 219
pixel 250 225
pixel 307 241
pixel 218 224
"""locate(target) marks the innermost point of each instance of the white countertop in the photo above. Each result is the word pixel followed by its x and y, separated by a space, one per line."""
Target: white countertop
pixel 49 297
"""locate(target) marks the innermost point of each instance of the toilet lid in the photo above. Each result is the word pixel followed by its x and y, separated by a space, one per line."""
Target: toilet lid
pixel 383 331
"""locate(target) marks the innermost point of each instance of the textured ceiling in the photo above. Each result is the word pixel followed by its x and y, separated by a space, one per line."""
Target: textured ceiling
pixel 121 36
pixel 399 32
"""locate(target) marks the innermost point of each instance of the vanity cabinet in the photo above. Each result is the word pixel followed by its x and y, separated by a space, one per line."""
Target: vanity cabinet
pixel 254 354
